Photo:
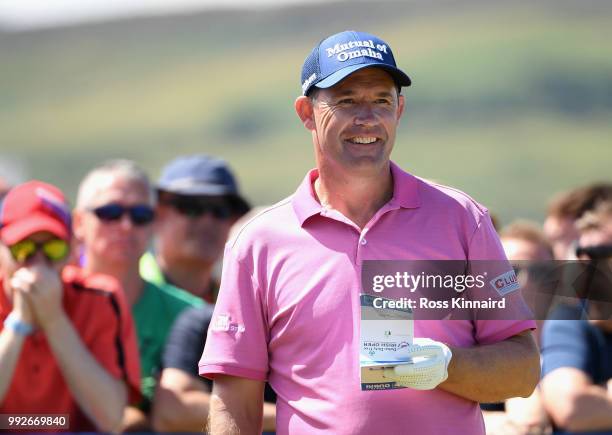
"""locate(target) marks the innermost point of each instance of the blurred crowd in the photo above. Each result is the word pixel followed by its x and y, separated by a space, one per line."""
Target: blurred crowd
pixel 105 307
pixel 575 339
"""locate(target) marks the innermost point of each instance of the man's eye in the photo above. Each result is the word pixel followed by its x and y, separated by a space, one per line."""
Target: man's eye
pixel 383 101
pixel 346 101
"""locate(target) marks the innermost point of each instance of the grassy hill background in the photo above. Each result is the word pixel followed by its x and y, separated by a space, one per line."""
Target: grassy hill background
pixel 511 101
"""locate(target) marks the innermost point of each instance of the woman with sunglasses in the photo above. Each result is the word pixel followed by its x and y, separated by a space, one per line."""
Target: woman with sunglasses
pixel 61 346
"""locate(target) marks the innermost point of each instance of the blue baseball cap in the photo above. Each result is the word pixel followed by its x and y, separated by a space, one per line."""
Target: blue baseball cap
pixel 339 55
pixel 202 175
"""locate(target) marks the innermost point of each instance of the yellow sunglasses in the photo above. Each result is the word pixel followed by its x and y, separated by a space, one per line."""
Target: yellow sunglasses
pixel 54 249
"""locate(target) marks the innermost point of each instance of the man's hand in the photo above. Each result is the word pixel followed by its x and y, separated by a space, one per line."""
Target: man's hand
pixel 429 366
pixel 11 341
pixel 21 305
pixel 42 288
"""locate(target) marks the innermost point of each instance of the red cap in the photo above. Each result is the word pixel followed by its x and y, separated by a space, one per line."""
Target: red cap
pixel 33 207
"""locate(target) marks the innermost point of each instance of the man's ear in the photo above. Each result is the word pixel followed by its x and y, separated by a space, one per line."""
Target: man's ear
pixel 401 101
pixel 305 110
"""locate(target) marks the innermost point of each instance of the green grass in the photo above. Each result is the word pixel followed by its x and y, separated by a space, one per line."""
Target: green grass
pixel 511 101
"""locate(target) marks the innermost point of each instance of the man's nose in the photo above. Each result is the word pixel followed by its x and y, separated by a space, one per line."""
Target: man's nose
pixel 125 222
pixel 365 114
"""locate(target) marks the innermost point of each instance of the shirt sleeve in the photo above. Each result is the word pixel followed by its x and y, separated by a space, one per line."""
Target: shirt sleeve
pixel 487 259
pixel 566 343
pixel 186 340
pixel 237 341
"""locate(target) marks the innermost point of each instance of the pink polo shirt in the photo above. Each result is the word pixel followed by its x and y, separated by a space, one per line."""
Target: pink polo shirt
pixel 289 310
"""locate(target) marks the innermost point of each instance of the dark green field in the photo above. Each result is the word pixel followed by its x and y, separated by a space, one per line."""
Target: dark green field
pixel 512 101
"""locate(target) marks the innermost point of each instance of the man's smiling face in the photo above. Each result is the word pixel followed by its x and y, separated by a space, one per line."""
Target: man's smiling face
pixel 355 121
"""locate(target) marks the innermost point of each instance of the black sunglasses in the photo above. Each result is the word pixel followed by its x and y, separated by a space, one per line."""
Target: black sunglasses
pixel 599 252
pixel 140 214
pixel 195 207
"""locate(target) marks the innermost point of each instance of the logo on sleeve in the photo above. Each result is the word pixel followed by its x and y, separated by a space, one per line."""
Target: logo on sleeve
pixel 505 283
pixel 223 323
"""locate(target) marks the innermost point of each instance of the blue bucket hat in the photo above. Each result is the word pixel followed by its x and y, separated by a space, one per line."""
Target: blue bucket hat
pixel 339 55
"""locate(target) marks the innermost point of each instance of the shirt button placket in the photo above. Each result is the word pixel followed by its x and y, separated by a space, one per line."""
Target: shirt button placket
pixel 361 244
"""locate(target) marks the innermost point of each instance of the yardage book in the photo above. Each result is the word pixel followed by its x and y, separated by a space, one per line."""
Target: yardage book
pixel 385 335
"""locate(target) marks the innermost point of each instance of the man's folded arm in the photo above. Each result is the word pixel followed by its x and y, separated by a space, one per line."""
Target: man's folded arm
pixel 495 372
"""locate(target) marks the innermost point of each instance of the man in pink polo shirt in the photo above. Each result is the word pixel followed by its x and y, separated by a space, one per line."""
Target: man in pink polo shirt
pixel 289 306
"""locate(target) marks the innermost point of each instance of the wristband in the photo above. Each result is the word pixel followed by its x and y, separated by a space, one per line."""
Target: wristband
pixel 18 326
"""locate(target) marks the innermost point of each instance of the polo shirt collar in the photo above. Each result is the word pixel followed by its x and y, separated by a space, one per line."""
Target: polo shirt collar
pixel 405 188
pixel 405 193
pixel 304 199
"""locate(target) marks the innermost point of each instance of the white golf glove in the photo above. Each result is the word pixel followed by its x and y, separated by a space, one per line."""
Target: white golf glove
pixel 429 366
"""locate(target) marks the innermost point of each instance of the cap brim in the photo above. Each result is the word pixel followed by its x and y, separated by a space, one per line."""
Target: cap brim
pixel 398 75
pixel 35 223
pixel 196 189
pixel 240 206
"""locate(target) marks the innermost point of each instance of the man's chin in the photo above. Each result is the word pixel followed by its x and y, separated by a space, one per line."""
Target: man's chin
pixel 367 164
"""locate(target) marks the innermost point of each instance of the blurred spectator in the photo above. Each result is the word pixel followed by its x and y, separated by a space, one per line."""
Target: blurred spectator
pixel 198 203
pixel 182 397
pixel 565 209
pixel 530 253
pixel 577 354
pixel 595 245
pixel 595 229
pixel 523 242
pixel 113 221
pixel 63 348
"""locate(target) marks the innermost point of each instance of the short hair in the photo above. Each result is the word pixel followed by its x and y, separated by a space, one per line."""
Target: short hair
pixel 596 218
pixel 312 94
pixel 123 168
pixel 522 229
pixel 574 203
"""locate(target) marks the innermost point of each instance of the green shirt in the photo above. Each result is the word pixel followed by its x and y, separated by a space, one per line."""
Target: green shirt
pixel 154 313
pixel 150 270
